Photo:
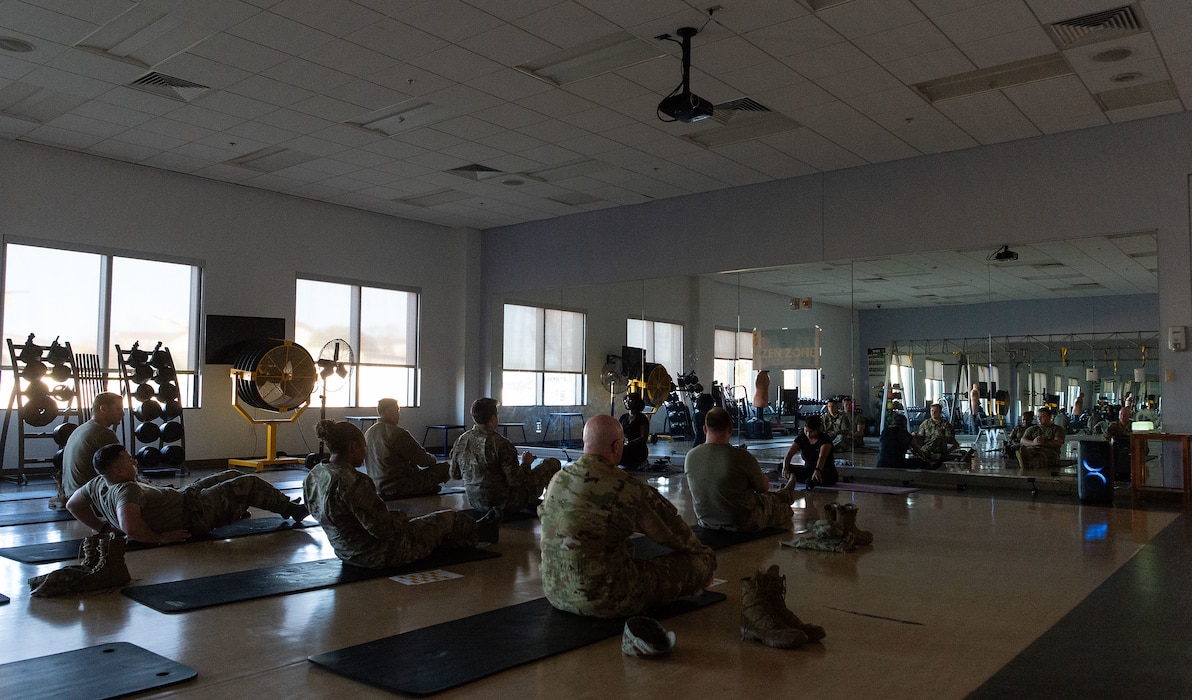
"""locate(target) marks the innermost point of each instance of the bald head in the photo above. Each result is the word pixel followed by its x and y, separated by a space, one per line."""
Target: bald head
pixel 604 437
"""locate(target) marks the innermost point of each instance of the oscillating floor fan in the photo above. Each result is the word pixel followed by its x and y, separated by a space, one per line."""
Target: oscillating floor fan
pixel 335 364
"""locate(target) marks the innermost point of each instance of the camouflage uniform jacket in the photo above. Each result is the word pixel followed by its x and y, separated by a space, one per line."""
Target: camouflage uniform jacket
pixel 839 424
pixel 590 511
pixel 394 456
pixel 1047 432
pixel 346 504
pixel 1116 430
pixel 1015 438
pixel 488 464
pixel 935 436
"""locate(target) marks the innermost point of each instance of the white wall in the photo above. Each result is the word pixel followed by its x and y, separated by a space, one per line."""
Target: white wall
pixel 252 244
pixel 1118 178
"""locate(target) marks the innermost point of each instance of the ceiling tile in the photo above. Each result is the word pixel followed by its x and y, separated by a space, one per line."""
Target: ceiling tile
pixel 1007 48
pixel 985 21
pixel 346 57
pixel 865 17
pixel 42 23
pixel 566 24
pixel 280 33
pixel 238 53
pixel 338 19
pixel 930 66
pixel 830 60
pixel 989 117
pixel 903 42
pixel 449 19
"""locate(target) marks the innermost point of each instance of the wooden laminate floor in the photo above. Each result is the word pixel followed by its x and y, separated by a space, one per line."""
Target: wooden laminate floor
pixel 955 590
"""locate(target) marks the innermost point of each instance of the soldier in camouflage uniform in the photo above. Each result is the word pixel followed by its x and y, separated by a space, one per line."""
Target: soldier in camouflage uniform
pixel 1014 440
pixel 1120 428
pixel 935 439
pixel 589 514
pixel 394 458
pixel 838 425
pixel 488 464
pixel 1041 443
pixel 159 515
pixel 359 527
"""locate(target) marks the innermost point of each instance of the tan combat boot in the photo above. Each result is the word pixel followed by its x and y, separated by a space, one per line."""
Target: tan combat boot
pixel 848 523
pixel 762 614
pixel 111 571
pixel 88 559
pixel 814 632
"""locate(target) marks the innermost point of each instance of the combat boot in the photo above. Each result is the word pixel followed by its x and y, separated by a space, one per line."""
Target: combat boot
pixel 814 632
pixel 88 559
pixel 830 512
pixel 848 523
pixel 762 616
pixel 111 571
pixel 58 500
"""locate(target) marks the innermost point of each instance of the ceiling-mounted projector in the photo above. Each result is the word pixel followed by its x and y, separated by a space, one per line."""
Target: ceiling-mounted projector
pixel 683 105
pixel 1004 253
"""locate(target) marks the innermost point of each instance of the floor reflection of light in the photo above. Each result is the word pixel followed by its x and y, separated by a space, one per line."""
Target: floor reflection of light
pixel 1096 532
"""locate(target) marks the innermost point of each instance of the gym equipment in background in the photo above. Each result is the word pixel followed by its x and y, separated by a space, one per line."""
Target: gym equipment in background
pixel 45 396
pixel 277 376
pixel 335 363
pixel 149 382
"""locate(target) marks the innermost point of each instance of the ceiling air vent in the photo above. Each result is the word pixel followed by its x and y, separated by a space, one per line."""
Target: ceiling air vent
pixel 169 86
pixel 1095 27
pixel 1137 95
pixel 475 171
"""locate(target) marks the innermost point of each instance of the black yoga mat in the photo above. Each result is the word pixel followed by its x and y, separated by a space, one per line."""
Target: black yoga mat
pixel 208 591
pixel 443 656
pixel 69 549
pixel 33 517
pixel 95 673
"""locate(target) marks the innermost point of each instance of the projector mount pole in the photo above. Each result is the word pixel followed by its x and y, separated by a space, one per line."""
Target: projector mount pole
pixel 686 33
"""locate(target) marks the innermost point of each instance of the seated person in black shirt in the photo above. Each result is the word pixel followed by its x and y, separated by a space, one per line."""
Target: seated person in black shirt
pixel 637 432
pixel 703 404
pixel 818 469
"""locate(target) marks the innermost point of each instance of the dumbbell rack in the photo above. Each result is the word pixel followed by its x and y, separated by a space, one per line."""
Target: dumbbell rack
pixel 149 382
pixel 40 411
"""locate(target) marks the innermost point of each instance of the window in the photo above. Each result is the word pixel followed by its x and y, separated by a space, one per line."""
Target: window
pixel 933 380
pixel 807 381
pixel 64 293
pixel 1073 390
pixel 902 375
pixel 663 342
pixel 544 352
pixel 380 324
pixel 732 360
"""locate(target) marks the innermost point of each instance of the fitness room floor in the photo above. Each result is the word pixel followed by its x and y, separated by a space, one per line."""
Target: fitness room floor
pixel 976 593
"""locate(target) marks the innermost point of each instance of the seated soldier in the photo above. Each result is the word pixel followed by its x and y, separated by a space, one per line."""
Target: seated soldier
pixel 160 515
pixel 1014 440
pixel 1041 443
pixel 1117 434
pixel 488 464
pixel 893 444
pixel 935 440
pixel 394 458
pixel 859 422
pixel 838 425
pixel 728 489
pixel 589 515
pixel 361 530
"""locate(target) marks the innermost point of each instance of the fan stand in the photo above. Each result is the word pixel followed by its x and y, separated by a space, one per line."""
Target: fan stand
pixel 271 459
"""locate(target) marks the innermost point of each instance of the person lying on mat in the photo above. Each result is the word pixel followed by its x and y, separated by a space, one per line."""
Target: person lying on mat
pixel 488 464
pixel 728 489
pixel 395 457
pixel 115 500
pixel 589 514
pixel 361 530
pixel 815 447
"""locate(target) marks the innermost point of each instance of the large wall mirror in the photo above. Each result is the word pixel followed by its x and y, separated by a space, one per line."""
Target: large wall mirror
pixel 1046 324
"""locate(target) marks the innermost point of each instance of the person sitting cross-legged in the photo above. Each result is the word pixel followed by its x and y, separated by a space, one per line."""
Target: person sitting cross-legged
pixel 728 489
pixel 358 525
pixel 397 464
pixel 589 515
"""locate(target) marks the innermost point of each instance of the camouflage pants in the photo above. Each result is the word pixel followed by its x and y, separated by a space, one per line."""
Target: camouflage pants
pixel 424 482
pixel 222 498
pixel 1032 457
pixel 422 535
pixel 641 585
pixel 528 492
pixel 771 510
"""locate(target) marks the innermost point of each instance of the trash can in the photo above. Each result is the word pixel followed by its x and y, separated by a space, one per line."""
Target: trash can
pixel 1094 472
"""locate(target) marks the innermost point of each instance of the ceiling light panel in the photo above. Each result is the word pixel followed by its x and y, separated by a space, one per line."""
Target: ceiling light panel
pixel 34 103
pixel 402 117
pixel 144 36
pixel 592 58
pixel 995 78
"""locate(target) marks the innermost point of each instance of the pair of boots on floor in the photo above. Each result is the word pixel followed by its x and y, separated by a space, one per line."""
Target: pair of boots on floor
pixel 765 617
pixel 102 567
pixel 837 532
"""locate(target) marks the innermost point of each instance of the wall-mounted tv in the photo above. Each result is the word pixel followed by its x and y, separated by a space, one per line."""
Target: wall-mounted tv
pixel 228 336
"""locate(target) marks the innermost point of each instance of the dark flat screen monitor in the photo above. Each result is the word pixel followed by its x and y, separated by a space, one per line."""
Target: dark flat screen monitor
pixel 228 336
pixel 633 362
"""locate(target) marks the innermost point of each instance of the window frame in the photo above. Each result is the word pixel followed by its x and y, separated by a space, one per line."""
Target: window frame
pixel 356 292
pixel 540 374
pixel 189 374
